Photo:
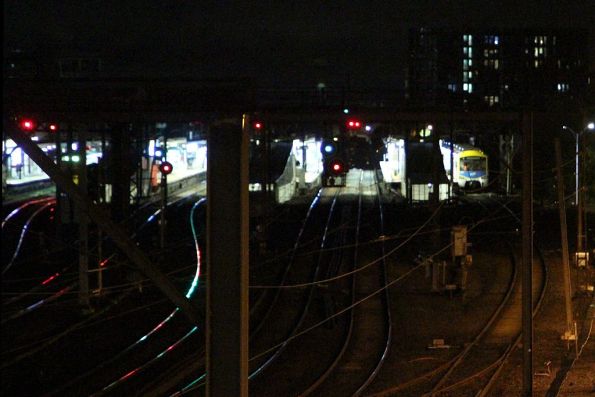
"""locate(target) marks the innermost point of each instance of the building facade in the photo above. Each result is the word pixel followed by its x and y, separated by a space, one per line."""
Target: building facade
pixel 499 69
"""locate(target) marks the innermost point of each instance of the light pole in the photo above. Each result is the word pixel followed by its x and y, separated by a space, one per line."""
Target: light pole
pixel 565 127
pixel 578 189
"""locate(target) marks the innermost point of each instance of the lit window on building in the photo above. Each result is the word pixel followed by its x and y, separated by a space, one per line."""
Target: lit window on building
pixel 541 40
pixel 452 87
pixel 466 87
pixel 491 100
pixel 563 87
pixel 491 40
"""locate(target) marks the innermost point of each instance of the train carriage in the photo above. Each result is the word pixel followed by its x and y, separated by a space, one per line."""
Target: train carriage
pixel 470 164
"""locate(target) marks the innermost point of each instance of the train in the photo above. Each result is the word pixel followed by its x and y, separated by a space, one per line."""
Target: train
pixel 407 168
pixel 470 165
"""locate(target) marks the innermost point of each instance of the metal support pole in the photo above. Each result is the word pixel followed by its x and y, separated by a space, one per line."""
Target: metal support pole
pixel 227 259
pixel 59 209
pixel 576 170
pixel 527 253
pixel 83 221
pixel 452 171
pixel 163 193
pixel 579 198
pixel 163 220
pixel 564 237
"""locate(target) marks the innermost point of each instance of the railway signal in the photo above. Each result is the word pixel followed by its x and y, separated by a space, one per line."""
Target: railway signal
pixel 166 168
pixel 336 167
pixel 27 124
pixel 353 124
pixel 328 148
pixel 53 127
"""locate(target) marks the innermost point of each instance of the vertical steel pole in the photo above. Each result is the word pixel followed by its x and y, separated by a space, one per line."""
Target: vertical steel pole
pixel 564 237
pixel 162 219
pixel 579 197
pixel 83 223
pixel 527 253
pixel 227 259
pixel 452 171
pixel 59 206
pixel 576 170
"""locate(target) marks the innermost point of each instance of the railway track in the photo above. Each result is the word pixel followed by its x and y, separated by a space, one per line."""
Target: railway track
pixel 472 366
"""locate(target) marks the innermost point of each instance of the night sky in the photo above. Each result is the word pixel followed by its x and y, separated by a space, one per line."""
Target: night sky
pixel 287 44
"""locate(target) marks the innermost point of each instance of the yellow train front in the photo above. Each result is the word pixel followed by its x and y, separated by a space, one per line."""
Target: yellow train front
pixel 470 165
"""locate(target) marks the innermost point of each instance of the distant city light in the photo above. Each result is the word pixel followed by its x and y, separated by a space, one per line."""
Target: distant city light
pixel 346 111
pixel 591 126
pixel 368 128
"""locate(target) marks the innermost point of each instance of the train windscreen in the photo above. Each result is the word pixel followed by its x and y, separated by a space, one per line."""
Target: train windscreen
pixel 473 164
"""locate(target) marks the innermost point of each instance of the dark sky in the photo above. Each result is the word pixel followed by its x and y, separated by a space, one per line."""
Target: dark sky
pixel 277 42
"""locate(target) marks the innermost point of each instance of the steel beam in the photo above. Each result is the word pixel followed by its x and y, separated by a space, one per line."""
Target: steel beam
pixel 227 258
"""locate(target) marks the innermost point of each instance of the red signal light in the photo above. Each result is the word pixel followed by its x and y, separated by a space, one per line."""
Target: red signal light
pixel 258 125
pixel 336 167
pixel 53 127
pixel 354 124
pixel 27 124
pixel 166 168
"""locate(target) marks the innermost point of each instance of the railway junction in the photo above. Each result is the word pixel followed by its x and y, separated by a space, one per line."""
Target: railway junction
pixel 341 289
